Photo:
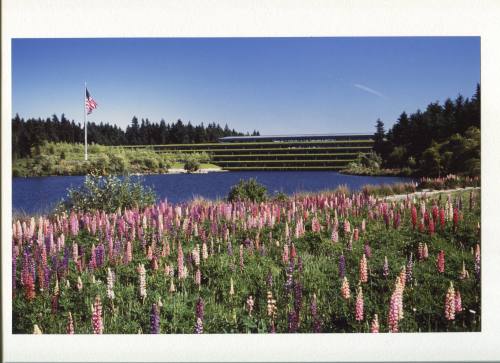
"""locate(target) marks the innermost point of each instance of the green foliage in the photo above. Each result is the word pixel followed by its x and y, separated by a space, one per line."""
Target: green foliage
pixel 108 194
pixel 67 159
pixel 248 190
pixel 191 166
pixel 441 140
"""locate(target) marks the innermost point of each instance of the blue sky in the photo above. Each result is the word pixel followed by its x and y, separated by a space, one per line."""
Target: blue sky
pixel 274 85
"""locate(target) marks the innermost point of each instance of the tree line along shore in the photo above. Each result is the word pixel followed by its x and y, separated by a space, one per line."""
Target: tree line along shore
pixel 444 139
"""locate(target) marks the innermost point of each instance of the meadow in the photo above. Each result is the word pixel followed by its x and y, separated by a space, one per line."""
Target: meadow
pixel 331 262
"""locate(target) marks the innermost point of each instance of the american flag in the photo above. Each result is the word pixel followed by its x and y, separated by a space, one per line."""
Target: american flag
pixel 90 104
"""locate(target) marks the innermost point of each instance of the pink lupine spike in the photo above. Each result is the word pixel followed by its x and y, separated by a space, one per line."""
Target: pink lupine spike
pixel 449 305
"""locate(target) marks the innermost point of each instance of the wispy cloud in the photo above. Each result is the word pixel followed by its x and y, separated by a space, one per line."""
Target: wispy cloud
pixel 369 90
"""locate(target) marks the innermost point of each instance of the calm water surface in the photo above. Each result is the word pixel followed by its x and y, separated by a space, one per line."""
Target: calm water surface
pixel 41 194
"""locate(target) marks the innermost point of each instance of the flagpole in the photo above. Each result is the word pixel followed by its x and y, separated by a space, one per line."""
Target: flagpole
pixel 85 118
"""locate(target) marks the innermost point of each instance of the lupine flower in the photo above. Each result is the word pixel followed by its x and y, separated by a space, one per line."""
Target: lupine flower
pixel 314 314
pixel 180 262
pixel 250 303
pixel 359 304
pixel 154 320
pixel 349 244
pixel 458 302
pixel 128 254
pixel 272 309
pixel 172 286
pixel 356 234
pixel 368 250
pixel 110 284
pixel 347 226
pixel 402 276
pixel 431 227
pixel 440 261
pixel 449 304
pixel 409 269
pixel 396 307
pixel 374 328
pixel 297 304
pixel 29 287
pixel 363 269
pixel 196 255
pixel 197 277
pixel 97 324
pixel 269 280
pixel 420 251
pixel 414 216
pixel 477 261
pixel 204 251
pixel 14 271
pixel 289 278
pixel 425 251
pixel 69 325
pixel 200 312
pixel 142 281
pixel 79 284
pixel 341 266
pixel 345 290
pixel 231 288
pixel 442 218
pixel 36 330
pixel 285 256
pixel 335 236
pixel 242 262
pixel 464 274
pixel 293 323
pixel 385 270
pixel 455 219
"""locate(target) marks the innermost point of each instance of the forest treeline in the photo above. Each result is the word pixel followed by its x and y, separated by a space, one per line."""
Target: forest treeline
pixel 29 135
pixel 443 139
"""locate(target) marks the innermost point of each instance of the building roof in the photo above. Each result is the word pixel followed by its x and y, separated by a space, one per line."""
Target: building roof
pixel 294 136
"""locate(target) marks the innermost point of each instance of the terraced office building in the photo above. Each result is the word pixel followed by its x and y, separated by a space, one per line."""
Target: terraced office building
pixel 283 152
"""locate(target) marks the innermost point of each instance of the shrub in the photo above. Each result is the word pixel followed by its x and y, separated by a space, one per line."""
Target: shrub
pixel 108 194
pixel 191 166
pixel 280 197
pixel 248 190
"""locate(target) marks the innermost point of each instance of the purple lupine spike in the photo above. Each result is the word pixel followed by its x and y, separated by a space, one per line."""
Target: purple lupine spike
pixel 66 258
pixel 269 280
pixel 297 298
pixel 314 313
pixel 229 248
pixel 200 308
pixel 293 325
pixel 368 250
pixel 342 266
pixel 47 277
pixel 154 320
pixel 99 255
pixel 200 312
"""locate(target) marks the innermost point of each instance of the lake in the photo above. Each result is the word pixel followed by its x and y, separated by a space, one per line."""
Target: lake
pixel 41 194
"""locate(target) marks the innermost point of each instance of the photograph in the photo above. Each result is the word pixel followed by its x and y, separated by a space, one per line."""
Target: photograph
pixel 246 185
